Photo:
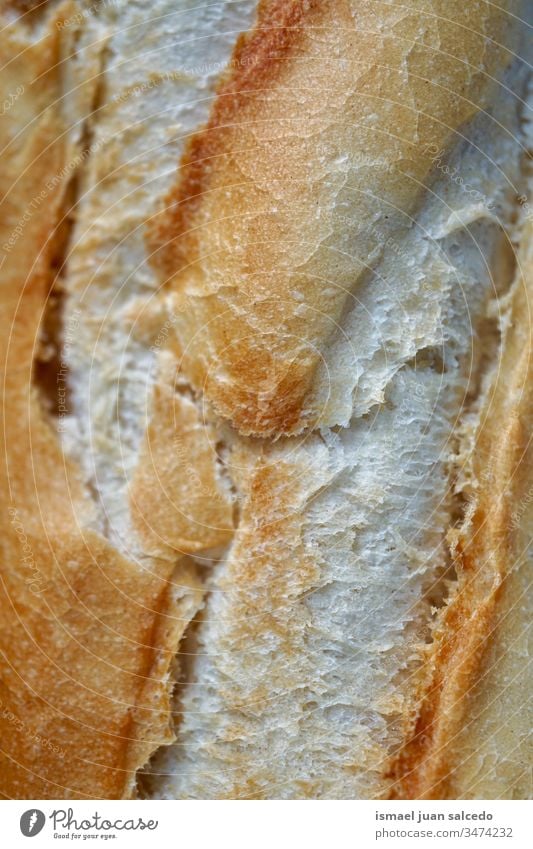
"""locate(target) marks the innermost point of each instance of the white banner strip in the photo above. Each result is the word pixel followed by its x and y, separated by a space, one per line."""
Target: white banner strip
pixel 268 825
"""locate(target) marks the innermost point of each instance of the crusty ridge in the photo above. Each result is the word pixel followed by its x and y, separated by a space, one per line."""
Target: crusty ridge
pixel 490 553
pixel 88 632
pixel 76 661
pixel 316 630
pixel 261 234
pixel 326 525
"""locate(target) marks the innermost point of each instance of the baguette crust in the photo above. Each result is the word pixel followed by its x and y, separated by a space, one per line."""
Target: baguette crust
pixel 472 695
pixel 307 562
pixel 260 237
pixel 178 502
pixel 75 658
pixel 318 627
pixel 87 636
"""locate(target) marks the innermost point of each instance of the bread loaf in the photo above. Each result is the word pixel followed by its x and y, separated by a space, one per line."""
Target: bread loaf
pixel 266 441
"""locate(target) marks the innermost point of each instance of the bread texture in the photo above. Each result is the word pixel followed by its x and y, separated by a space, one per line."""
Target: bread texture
pixel 90 624
pixel 263 232
pixel 267 468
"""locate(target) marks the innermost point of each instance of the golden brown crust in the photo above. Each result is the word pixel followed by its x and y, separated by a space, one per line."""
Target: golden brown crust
pixel 26 5
pixel 257 235
pixel 488 550
pixel 177 502
pixel 86 636
pixel 277 29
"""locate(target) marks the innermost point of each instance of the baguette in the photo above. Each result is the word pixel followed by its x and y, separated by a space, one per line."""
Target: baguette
pixel 266 461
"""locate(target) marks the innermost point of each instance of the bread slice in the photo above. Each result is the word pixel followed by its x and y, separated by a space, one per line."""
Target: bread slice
pixel 287 475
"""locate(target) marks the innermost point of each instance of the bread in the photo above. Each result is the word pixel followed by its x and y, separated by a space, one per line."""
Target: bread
pixel 266 466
